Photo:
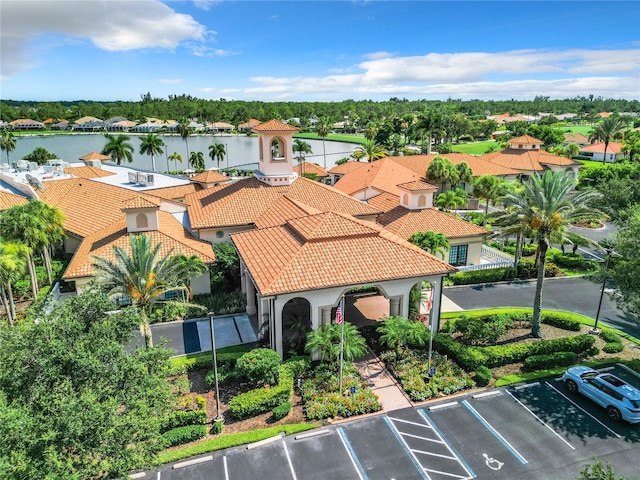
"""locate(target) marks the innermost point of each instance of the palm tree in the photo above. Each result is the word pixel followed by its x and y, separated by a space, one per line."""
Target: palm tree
pixel 442 171
pixel 176 157
pixel 52 223
pixel 184 130
pixel 144 277
pixel 429 122
pixel 217 151
pixel 118 148
pixel 489 188
pixel 13 262
pixel 302 148
pixel 610 128
pixel 323 128
pixel 452 200
pixel 572 150
pixel 325 341
pixel 399 333
pixel 371 131
pixel 370 150
pixel 197 160
pixel 152 145
pixel 432 242
pixel 8 142
pixel 544 205
pixel 465 174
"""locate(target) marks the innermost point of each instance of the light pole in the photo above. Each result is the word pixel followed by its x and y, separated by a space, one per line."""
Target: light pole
pixel 217 418
pixel 595 330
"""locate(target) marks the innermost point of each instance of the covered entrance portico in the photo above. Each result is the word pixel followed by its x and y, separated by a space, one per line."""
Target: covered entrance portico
pixel 279 265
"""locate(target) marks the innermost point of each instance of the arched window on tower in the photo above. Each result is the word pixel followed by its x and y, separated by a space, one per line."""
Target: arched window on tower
pixel 142 221
pixel 422 201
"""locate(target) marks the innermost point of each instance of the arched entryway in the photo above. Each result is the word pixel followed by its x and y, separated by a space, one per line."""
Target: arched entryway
pixel 296 323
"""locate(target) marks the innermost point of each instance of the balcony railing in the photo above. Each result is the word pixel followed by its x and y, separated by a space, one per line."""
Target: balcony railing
pixel 490 258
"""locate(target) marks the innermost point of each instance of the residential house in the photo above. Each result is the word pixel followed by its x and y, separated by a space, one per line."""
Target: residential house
pixel 596 152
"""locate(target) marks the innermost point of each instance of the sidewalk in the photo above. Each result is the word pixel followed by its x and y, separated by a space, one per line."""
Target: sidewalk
pixel 376 376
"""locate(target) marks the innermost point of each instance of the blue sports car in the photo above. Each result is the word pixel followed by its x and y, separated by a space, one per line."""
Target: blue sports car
pixel 621 400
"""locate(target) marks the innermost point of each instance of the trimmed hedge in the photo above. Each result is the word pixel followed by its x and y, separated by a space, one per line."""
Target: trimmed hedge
pixel 614 342
pixel 216 428
pixel 561 320
pixel 550 360
pixel 182 435
pixel 225 357
pixel 483 376
pixel 182 418
pixel 281 411
pixel 470 358
pixel 262 400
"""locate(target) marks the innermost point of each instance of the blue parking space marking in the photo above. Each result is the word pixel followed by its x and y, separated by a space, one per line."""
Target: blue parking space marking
pixel 352 454
pixel 494 432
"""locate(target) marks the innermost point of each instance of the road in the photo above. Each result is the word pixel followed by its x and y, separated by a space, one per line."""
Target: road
pixel 573 294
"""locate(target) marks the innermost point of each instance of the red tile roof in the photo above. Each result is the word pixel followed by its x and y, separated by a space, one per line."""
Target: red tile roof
pixel 243 202
pixel 526 160
pixel 87 172
pixel 525 140
pixel 8 200
pixel 210 176
pixel 96 156
pixel 329 250
pixel 417 185
pixel 346 167
pixel 613 147
pixel 479 165
pixel 283 210
pixel 275 126
pixel 308 167
pixel 139 202
pixel 384 175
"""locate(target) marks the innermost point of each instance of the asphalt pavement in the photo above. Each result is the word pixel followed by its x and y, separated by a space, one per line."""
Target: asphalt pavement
pixel 573 294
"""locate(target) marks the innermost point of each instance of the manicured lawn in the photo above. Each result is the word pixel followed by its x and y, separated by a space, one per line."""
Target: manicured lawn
pixel 589 163
pixel 475 148
pixel 332 136
pixel 583 129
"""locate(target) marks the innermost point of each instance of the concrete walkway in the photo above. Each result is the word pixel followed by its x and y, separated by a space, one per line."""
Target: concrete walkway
pixel 376 376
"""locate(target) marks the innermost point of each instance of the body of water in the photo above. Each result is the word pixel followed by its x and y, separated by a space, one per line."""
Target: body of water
pixel 242 151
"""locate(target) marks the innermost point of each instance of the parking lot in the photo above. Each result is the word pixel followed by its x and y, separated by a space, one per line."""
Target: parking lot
pixel 534 430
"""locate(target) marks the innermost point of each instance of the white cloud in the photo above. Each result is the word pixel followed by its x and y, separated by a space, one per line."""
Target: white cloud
pixel 205 4
pixel 170 81
pixel 108 24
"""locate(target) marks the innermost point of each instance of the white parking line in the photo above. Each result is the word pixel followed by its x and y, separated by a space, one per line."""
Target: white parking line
pixel 195 461
pixel 352 455
pixel 579 407
pixel 490 393
pixel 540 420
pixel 226 469
pixel 286 452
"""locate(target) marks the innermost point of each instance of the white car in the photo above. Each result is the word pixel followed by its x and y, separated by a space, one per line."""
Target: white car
pixel 621 400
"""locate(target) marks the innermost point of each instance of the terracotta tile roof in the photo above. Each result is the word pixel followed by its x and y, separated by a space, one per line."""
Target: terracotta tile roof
pixel 209 176
pixel 8 200
pixel 86 120
pixel 87 172
pixel 525 140
pixel 341 251
pixel 283 210
pixel 613 147
pixel 346 167
pixel 140 202
pixel 576 137
pixel 527 160
pixel 307 167
pixel 384 175
pixel 87 205
pixel 275 126
pixel 96 156
pixel 172 235
pixel 251 123
pixel 384 202
pixel 244 201
pixel 417 185
pixel 404 223
pixel 174 193
pixel 479 165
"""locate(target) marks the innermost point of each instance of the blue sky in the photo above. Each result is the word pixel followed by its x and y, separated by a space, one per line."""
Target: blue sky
pixel 318 50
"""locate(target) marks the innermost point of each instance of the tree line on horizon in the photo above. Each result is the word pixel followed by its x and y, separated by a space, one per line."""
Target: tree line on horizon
pixel 354 112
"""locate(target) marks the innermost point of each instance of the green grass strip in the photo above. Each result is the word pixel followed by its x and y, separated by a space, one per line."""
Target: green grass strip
pixel 232 440
pixel 332 136
pixel 550 372
pixel 192 358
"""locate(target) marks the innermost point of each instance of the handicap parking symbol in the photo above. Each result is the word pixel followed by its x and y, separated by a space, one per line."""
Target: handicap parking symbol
pixel 492 463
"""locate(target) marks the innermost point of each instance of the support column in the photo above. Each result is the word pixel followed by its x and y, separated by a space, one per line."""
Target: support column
pixel 251 298
pixel 243 277
pixel 436 305
pixel 277 324
pixel 394 306
pixel 326 316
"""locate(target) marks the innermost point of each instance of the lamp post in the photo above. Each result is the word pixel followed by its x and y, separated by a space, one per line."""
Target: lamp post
pixel 217 418
pixel 595 330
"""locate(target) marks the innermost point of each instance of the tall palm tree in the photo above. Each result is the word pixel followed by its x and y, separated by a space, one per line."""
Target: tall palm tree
pixel 323 128
pixel 8 142
pixel 151 144
pixel 370 131
pixel 217 151
pixel 13 263
pixel 176 157
pixel 610 128
pixel 52 223
pixel 429 122
pixel 442 171
pixel 197 160
pixel 545 205
pixel 465 174
pixel 370 150
pixel 118 148
pixel 302 148
pixel 184 130
pixel 489 188
pixel 144 277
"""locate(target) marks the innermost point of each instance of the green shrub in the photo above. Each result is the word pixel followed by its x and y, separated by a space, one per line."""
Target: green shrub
pixel 609 337
pixel 561 320
pixel 567 260
pixel 201 402
pixel 261 400
pixel 182 435
pixel 483 376
pixel 181 418
pixel 549 360
pixel 613 347
pixel 216 428
pixel 226 357
pixel 482 276
pixel 281 411
pixel 634 365
pixel 614 342
pixel 259 366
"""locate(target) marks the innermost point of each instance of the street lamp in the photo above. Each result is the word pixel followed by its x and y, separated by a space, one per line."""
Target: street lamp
pixel 595 330
pixel 217 418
